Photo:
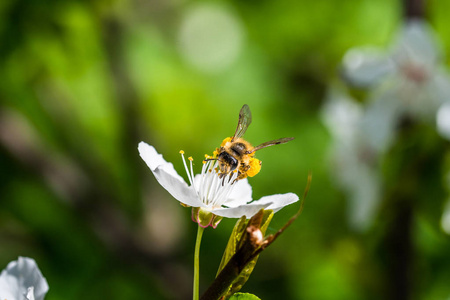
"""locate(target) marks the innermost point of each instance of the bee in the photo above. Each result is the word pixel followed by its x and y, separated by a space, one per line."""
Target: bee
pixel 236 154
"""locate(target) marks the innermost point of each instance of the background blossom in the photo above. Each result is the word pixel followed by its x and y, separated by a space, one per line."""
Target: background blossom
pixel 22 279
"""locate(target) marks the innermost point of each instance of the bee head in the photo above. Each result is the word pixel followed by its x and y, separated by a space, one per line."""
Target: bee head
pixel 227 163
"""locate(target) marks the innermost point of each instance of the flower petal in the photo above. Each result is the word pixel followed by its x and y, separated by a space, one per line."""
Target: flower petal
pixel 248 210
pixel 241 194
pixel 30 293
pixel 364 67
pixel 276 202
pixel 378 124
pixel 153 160
pixel 439 88
pixel 443 120
pixel 166 175
pixel 19 276
pixel 341 114
pixel 416 43
pixel 178 189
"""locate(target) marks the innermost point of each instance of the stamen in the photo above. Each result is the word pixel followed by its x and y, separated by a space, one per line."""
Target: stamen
pixel 226 190
pixel 192 172
pixel 205 173
pixel 212 187
pixel 185 166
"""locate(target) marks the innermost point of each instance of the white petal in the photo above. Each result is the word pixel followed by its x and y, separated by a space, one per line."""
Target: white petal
pixel 378 123
pixel 364 67
pixel 19 276
pixel 443 120
pixel 178 189
pixel 166 175
pixel 248 210
pixel 439 87
pixel 30 293
pixel 276 202
pixel 364 197
pixel 241 194
pixel 153 160
pixel 445 219
pixel 417 44
pixel 341 115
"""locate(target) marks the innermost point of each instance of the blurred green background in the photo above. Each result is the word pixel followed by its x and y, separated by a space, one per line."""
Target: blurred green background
pixel 83 82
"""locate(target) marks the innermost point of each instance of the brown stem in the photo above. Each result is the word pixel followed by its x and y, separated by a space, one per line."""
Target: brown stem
pixel 413 9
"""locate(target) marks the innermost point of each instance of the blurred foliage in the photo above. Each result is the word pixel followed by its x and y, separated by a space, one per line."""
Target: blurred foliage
pixel 82 82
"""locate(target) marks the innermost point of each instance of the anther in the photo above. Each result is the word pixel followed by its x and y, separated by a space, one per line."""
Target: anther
pixel 181 152
pixel 190 158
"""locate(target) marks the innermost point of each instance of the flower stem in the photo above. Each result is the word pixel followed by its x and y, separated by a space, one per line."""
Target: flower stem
pixel 197 262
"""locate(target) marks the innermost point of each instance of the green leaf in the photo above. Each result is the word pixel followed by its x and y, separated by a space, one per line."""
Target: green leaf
pixel 232 246
pixel 233 241
pixel 243 296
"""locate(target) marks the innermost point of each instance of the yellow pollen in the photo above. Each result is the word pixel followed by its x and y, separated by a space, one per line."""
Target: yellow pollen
pixel 190 158
pixel 181 152
pixel 255 167
pixel 203 162
pixel 226 140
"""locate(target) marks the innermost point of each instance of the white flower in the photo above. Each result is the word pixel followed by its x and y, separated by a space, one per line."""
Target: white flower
pixel 213 196
pixel 410 75
pixel 22 280
pixel 354 163
pixel 443 120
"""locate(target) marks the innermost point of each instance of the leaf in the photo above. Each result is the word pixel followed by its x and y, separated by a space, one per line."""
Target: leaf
pixel 232 246
pixel 233 241
pixel 239 282
pixel 243 296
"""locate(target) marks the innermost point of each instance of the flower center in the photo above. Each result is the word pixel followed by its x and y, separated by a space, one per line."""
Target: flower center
pixel 414 72
pixel 212 189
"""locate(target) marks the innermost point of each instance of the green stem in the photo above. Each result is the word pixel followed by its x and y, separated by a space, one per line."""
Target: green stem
pixel 197 262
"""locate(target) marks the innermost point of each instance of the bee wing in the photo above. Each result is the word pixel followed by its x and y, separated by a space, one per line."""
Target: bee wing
pixel 245 118
pixel 271 143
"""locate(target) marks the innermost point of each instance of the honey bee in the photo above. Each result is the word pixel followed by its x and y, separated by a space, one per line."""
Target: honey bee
pixel 236 154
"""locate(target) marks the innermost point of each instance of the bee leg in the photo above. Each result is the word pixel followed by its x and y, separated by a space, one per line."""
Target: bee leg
pixel 243 170
pixel 223 176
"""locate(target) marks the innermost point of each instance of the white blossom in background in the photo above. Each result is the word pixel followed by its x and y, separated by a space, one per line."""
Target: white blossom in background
pixel 210 36
pixel 353 160
pixel 443 120
pixel 445 219
pixel 408 80
pixel 22 280
pixel 212 195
